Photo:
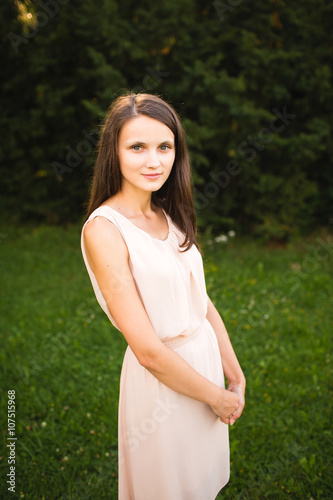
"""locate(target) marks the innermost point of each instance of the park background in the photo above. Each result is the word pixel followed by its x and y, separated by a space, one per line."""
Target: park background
pixel 252 82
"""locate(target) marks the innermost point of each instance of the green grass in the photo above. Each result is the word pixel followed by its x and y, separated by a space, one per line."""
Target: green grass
pixel 63 358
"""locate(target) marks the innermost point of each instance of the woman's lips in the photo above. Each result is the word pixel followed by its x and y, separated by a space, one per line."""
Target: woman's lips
pixel 152 176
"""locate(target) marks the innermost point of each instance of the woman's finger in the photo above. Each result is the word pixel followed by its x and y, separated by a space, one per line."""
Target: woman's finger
pixel 237 414
pixel 225 420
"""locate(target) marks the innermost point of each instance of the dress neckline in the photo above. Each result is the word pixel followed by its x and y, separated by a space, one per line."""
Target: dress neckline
pixel 139 228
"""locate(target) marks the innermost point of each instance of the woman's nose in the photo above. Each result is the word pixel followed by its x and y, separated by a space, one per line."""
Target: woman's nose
pixel 153 159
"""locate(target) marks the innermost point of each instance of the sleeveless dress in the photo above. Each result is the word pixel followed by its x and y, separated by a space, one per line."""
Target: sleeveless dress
pixel 170 446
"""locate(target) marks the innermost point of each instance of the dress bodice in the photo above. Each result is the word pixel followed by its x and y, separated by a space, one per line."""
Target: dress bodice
pixel 170 282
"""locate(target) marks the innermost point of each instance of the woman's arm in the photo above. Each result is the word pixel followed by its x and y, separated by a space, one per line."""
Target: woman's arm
pixel 231 367
pixel 108 258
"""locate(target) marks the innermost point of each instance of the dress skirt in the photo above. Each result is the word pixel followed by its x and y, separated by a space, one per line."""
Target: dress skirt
pixel 170 446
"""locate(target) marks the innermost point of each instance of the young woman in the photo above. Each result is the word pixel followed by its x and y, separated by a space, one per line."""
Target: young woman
pixel 139 247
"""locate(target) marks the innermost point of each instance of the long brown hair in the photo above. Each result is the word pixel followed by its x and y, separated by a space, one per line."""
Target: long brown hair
pixel 175 196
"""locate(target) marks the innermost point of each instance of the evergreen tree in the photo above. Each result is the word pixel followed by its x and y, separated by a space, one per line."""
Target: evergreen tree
pixel 251 81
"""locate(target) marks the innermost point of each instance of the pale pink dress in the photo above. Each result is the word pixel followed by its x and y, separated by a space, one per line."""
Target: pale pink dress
pixel 170 446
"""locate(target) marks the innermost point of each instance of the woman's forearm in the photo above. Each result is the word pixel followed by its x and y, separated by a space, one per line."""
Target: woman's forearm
pixel 173 371
pixel 231 366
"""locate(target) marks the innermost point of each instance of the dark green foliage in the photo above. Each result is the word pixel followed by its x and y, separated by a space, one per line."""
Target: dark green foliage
pixel 229 68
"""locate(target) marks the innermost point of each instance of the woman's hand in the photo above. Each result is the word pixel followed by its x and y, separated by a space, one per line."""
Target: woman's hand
pixel 230 364
pixel 238 389
pixel 227 404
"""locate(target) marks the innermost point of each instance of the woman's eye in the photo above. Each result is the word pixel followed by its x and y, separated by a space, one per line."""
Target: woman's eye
pixel 165 147
pixel 136 148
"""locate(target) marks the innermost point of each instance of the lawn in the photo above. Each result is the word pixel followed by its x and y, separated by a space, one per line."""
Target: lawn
pixel 62 357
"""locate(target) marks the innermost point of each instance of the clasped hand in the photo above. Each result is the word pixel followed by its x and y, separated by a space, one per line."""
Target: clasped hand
pixel 231 403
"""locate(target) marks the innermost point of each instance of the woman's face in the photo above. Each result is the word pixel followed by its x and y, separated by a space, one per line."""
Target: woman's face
pixel 145 147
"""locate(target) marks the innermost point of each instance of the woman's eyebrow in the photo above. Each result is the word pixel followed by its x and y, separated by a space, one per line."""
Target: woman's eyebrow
pixel 167 141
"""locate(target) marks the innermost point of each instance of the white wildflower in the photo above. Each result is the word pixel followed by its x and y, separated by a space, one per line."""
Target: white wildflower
pixel 221 239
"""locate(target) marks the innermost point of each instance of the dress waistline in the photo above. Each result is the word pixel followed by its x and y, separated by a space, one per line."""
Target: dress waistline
pixel 180 340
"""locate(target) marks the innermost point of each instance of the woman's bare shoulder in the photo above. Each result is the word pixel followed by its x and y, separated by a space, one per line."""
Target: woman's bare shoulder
pixel 101 233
